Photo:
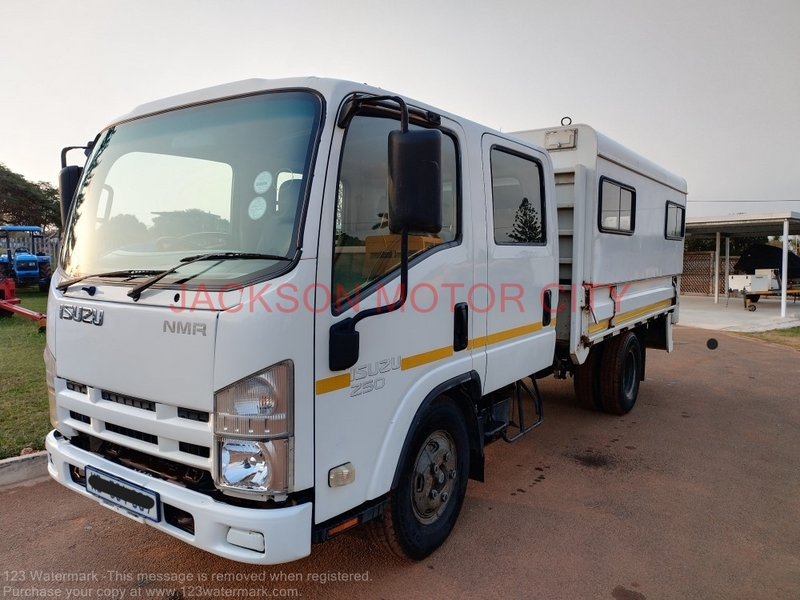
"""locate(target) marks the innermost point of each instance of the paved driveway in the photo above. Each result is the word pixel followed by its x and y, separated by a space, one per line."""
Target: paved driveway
pixel 695 494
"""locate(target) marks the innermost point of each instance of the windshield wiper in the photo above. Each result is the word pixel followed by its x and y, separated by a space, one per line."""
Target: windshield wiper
pixel 242 255
pixel 62 287
pixel 136 291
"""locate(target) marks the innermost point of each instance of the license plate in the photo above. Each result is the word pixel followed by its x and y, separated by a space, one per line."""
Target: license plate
pixel 133 498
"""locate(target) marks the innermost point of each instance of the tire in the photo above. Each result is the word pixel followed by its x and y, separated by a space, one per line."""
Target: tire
pixel 586 380
pixel 45 273
pixel 621 373
pixel 753 297
pixel 432 483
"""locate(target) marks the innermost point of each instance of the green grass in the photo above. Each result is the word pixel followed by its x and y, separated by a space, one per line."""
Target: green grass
pixel 24 414
pixel 785 337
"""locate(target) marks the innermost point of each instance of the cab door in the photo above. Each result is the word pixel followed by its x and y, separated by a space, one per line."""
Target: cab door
pixel 522 269
pixel 362 415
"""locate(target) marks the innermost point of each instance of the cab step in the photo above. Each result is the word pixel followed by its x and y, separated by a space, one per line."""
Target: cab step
pixel 521 392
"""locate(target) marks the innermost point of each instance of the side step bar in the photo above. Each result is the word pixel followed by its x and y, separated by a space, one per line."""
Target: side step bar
pixel 536 396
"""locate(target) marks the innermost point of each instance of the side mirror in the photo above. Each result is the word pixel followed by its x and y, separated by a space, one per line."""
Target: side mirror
pixel 68 179
pixel 415 206
pixel 415 181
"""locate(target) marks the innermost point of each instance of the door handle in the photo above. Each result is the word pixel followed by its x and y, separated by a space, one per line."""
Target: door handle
pixel 460 326
pixel 547 302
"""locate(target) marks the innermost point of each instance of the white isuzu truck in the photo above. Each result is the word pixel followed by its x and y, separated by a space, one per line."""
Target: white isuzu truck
pixel 286 308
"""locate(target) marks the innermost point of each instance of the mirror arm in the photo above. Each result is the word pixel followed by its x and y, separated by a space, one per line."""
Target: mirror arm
pixel 86 149
pixel 403 286
pixel 352 104
pixel 344 339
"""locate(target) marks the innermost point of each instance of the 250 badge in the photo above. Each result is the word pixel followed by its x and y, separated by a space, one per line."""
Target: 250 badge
pixel 365 378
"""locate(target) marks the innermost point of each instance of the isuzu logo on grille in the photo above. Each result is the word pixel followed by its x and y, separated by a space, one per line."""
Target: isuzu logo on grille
pixel 81 314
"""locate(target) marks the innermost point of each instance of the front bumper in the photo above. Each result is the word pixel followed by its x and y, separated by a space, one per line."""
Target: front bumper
pixel 286 531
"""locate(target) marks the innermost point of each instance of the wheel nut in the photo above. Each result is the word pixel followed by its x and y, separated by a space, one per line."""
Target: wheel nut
pixel 434 494
pixel 446 456
pixel 452 474
pixel 436 469
pixel 445 496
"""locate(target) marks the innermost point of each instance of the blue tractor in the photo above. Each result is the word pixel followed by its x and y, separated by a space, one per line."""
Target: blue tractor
pixel 19 258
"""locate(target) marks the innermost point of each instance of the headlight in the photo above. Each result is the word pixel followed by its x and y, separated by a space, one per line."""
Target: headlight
pixel 260 467
pixel 253 423
pixel 50 378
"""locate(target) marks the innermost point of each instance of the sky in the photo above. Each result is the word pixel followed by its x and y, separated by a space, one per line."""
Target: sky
pixel 708 89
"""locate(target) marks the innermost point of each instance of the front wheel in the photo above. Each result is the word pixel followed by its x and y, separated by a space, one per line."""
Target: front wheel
pixel 424 506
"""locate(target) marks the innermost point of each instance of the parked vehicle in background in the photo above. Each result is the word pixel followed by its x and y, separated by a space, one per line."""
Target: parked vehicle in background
pixel 21 257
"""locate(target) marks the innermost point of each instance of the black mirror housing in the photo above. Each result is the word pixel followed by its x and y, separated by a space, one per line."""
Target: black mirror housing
pixel 343 348
pixel 415 181
pixel 68 179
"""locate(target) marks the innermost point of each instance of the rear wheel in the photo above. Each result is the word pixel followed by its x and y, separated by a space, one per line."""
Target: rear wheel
pixel 424 506
pixel 622 369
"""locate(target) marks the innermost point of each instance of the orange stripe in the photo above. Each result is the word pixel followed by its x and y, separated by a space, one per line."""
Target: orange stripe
pixel 331 384
pixel 502 336
pixel 338 382
pixel 417 360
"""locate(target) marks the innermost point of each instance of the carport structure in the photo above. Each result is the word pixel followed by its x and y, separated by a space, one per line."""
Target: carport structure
pixel 746 225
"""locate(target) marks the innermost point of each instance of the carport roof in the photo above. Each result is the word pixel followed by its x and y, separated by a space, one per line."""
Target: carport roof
pixel 744 225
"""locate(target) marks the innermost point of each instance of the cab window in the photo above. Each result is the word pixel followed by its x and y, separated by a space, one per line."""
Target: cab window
pixel 364 249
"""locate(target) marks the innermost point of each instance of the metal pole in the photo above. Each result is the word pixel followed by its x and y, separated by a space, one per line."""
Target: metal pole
pixel 716 271
pixel 727 263
pixel 784 266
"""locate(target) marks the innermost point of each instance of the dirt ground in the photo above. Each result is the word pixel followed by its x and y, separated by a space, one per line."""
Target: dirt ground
pixel 694 494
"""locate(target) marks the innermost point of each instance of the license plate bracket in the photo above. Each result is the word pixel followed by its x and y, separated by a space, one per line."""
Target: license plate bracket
pixel 133 498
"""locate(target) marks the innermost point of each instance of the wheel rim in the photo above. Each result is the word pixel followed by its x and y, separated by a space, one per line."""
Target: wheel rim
pixel 630 374
pixel 434 477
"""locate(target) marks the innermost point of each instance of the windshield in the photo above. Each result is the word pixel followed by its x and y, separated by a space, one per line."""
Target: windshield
pixel 229 176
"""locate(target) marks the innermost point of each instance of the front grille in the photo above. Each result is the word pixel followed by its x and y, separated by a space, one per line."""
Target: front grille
pixel 79 417
pixel 76 387
pixel 157 466
pixel 132 433
pixel 194 449
pixel 128 401
pixel 163 429
pixel 193 415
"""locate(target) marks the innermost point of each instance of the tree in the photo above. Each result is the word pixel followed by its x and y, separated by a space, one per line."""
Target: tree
pixel 25 203
pixel 120 231
pixel 527 227
pixel 738 244
pixel 179 223
pixel 778 242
